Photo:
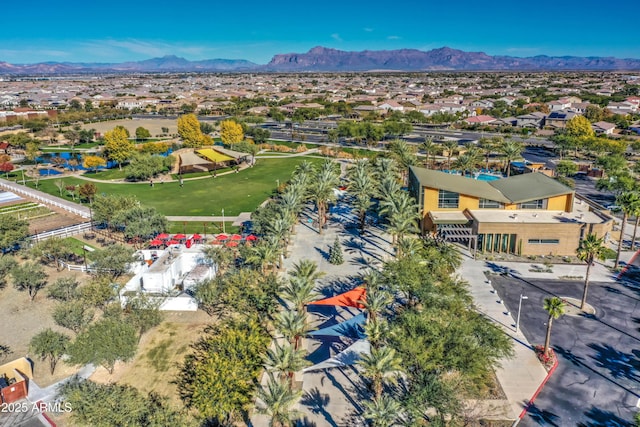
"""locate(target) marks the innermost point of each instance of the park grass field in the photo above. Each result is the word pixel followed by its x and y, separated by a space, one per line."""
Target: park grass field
pixel 235 192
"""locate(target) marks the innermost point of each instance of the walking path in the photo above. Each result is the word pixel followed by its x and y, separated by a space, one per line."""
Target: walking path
pixel 45 198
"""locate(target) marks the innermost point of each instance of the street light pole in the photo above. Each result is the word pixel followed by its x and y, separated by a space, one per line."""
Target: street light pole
pixel 519 307
pixel 223 230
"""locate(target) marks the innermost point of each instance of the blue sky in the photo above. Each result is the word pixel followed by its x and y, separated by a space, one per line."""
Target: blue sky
pixel 118 30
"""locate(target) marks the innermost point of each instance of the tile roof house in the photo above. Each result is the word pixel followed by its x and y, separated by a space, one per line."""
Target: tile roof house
pixel 604 128
pixel 480 120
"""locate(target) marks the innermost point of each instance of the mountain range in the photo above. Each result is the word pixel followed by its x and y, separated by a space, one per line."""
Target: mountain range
pixel 321 59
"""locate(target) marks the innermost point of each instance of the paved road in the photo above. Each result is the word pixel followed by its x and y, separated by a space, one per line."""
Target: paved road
pixel 597 382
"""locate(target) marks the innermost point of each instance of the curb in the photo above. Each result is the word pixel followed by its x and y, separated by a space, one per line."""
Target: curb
pixel 539 389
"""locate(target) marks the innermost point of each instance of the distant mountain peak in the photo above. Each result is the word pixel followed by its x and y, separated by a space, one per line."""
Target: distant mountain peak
pixel 324 59
pixel 321 58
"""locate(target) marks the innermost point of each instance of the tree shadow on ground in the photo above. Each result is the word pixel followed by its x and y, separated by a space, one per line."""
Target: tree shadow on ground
pixel 499 269
pixel 568 355
pixel 619 364
pixel 341 285
pixel 603 418
pixel 542 417
pixel 325 254
pixel 317 403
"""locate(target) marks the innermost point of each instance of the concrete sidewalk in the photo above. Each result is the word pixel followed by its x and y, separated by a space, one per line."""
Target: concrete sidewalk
pixel 521 375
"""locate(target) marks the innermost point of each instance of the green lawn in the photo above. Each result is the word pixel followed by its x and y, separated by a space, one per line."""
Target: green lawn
pixel 107 174
pixel 202 227
pixel 235 193
pixel 76 246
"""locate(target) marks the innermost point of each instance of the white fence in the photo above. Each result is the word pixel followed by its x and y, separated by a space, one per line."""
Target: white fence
pixel 84 213
pixel 62 232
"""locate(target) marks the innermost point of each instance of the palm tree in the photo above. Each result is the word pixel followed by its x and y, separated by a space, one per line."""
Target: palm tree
pixel 277 401
pixel 511 150
pixel 591 247
pixel 388 188
pixel 385 167
pixel 375 303
pixel 293 325
pixel 299 292
pixel 430 149
pixel 380 366
pixel 635 211
pixel 306 269
pixel 409 246
pixel 263 254
pixel 382 412
pixel 555 307
pixel 376 332
pixel 290 203
pixel 361 184
pixel 322 190
pixel 452 149
pixel 466 162
pixel 629 201
pixel 286 361
pixel 405 155
pixel 488 145
pixel 401 224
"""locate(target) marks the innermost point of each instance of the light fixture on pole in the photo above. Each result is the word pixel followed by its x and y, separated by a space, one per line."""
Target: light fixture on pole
pixel 519 307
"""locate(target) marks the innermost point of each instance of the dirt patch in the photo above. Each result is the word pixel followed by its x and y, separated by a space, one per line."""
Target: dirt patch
pixel 25 319
pixel 160 355
pixel 154 126
pixel 53 222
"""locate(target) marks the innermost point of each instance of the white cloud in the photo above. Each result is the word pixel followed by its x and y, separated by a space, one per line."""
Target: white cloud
pixel 367 30
pixel 394 38
pixel 336 37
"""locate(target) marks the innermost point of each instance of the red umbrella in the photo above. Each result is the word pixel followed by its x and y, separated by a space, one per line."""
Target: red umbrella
pixel 155 242
pixel 216 242
pixel 251 238
pixel 196 237
pixel 173 242
pixel 179 237
pixel 236 237
pixel 222 237
pixel 162 236
pixel 232 244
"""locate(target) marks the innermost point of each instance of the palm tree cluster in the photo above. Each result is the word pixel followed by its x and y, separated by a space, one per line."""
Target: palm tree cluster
pixel 471 154
pixel 282 360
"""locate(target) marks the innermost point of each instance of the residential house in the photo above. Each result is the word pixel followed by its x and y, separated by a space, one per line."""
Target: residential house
pixel 534 120
pixel 485 104
pixel 559 119
pixel 603 128
pixel 391 105
pixel 559 105
pixel 480 120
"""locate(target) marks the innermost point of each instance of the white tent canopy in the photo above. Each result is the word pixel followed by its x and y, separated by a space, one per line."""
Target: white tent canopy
pixel 345 358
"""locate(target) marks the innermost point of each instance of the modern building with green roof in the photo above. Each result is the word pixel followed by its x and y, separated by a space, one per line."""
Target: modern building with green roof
pixel 529 214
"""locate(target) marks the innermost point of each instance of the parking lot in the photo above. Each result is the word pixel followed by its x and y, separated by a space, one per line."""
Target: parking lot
pixel 597 379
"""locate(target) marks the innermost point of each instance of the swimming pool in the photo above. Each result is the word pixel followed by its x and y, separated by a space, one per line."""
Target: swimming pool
pixel 487 177
pixel 48 172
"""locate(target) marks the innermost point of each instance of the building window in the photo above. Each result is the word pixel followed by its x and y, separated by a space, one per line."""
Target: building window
pixel 534 204
pixel 543 241
pixel 448 199
pixel 490 204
